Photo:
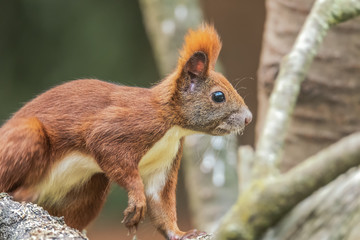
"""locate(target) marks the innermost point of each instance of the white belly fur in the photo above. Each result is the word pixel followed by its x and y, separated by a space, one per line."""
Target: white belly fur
pixel 76 168
pixel 73 170
pixel 156 163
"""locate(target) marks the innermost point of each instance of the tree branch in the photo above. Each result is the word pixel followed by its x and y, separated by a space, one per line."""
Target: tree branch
pixel 29 221
pixel 267 200
pixel 333 212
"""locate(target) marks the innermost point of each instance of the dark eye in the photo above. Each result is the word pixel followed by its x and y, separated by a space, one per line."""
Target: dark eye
pixel 218 97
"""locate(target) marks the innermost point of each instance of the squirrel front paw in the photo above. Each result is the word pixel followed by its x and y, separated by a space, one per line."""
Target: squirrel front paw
pixel 133 214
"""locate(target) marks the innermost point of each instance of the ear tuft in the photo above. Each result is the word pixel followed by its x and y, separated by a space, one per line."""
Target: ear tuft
pixel 205 40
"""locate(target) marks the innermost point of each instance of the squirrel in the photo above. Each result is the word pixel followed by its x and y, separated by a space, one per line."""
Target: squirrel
pixel 62 149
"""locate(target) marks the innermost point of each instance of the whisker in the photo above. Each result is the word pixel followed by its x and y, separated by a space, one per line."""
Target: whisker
pixel 238 80
pixel 240 131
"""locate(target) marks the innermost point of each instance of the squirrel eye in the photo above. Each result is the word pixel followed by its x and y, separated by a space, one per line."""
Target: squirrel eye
pixel 218 97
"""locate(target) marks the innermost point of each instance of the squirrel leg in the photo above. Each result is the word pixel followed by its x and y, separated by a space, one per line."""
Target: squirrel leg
pixel 135 212
pixel 163 215
pixel 119 161
pixel 162 207
pixel 82 204
pixel 127 176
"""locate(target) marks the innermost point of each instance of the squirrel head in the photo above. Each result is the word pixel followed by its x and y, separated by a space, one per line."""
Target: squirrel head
pixel 205 99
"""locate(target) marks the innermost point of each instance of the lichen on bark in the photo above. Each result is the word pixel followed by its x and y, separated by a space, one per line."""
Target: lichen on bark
pixel 29 221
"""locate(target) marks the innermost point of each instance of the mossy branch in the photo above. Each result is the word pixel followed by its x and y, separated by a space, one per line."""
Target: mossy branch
pixel 266 200
pixel 332 212
pixel 269 195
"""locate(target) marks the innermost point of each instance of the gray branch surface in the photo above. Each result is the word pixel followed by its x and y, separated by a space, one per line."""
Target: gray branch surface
pixel 25 221
pixel 333 212
pixel 28 221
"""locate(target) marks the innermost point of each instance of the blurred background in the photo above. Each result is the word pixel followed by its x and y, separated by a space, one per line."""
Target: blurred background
pixel 46 42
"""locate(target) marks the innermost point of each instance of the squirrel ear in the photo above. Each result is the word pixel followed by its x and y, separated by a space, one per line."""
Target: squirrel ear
pixel 197 64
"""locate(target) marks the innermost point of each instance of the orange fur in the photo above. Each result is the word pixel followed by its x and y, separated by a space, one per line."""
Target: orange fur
pixel 206 40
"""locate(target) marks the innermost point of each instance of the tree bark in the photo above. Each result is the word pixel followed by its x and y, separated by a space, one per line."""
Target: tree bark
pixel 26 221
pixel 328 106
pixel 29 221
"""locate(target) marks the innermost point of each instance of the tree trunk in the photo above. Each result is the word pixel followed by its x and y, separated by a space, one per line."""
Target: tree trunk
pixel 327 109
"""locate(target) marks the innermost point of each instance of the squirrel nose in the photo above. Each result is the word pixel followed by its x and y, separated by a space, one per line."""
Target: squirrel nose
pixel 248 116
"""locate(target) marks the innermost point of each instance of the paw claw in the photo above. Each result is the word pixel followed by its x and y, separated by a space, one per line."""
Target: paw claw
pixel 133 215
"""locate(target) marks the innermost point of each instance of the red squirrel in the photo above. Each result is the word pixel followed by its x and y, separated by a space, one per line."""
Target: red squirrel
pixel 64 148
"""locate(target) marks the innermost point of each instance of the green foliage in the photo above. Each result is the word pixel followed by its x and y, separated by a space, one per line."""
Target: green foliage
pixel 44 43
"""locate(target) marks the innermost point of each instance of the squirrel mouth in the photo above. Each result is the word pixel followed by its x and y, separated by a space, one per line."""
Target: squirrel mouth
pixel 220 132
pixel 224 128
pixel 234 123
